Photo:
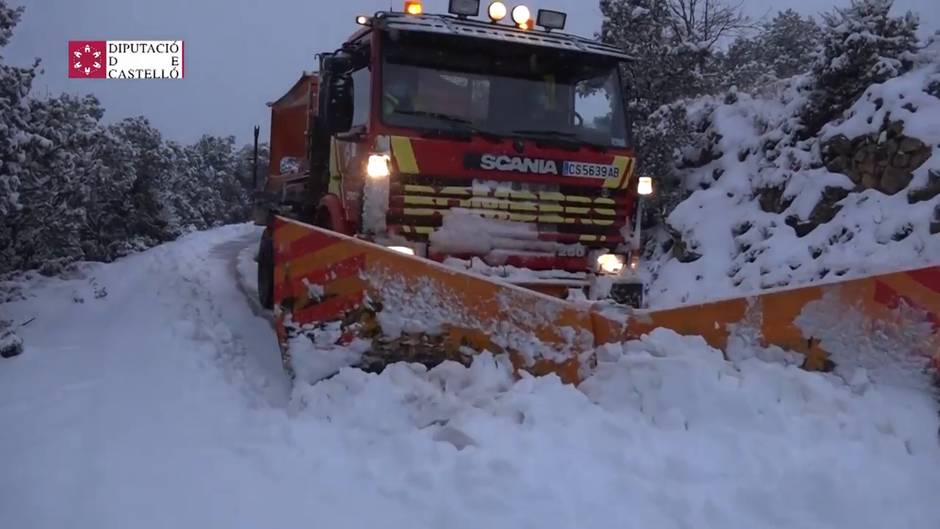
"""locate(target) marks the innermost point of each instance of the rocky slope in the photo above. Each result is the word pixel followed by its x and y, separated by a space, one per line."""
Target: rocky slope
pixel 770 209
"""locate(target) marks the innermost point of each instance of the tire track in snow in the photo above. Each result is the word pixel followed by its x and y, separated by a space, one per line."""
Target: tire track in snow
pixel 218 312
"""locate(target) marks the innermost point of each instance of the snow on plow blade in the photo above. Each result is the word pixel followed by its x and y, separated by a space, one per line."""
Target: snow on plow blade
pixel 334 290
pixel 882 321
pixel 414 308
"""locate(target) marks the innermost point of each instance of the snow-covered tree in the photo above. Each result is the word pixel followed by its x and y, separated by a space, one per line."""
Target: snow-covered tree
pixel 223 198
pixel 862 45
pixel 14 87
pixel 107 230
pixel 152 163
pixel 72 189
pixel 784 47
pixel 790 43
pixel 61 163
pixel 675 46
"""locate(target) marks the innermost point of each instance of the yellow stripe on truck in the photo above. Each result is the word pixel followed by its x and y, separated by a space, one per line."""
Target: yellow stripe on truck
pixel 404 155
pixel 543 196
pixel 621 165
pixel 336 178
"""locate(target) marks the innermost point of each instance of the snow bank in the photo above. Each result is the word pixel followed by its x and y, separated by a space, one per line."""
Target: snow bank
pixel 666 434
pixel 746 246
pixel 162 404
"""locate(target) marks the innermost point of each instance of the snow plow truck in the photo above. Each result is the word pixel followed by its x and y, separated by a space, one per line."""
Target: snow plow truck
pixel 447 184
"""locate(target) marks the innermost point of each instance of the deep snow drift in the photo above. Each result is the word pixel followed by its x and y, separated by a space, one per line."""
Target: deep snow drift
pixel 162 404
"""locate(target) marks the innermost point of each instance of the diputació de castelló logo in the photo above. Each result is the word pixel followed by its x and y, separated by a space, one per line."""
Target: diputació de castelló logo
pixel 126 59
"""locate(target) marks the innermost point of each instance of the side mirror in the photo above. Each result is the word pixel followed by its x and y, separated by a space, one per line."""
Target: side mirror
pixel 340 103
pixel 336 98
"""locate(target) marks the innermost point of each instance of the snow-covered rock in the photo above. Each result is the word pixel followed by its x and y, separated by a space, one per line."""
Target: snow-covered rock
pixel 10 344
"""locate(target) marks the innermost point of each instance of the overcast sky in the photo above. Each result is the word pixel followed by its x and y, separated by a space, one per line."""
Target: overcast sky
pixel 242 53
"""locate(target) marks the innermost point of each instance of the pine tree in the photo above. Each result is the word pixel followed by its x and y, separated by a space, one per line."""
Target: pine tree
pixel 674 45
pixel 15 85
pixel 222 197
pixel 56 191
pixel 151 161
pixel 106 233
pixel 862 45
pixel 790 43
pixel 786 46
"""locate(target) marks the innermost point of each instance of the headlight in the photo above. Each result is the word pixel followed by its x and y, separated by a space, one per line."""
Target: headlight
pixel 402 249
pixel 644 186
pixel 378 166
pixel 611 264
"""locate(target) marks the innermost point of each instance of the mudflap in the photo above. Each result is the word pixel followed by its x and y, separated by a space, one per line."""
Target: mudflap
pixel 367 306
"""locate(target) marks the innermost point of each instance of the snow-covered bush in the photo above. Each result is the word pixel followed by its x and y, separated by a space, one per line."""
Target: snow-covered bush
pixel 10 344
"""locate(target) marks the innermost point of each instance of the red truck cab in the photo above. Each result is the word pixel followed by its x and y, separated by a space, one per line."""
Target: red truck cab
pixel 481 144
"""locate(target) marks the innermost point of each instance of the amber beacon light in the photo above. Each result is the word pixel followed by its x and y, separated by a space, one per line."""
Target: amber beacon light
pixel 414 7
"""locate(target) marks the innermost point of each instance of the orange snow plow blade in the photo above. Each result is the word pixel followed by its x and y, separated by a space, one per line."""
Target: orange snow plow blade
pixel 895 315
pixel 374 293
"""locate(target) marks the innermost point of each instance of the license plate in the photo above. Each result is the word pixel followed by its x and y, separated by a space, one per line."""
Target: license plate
pixel 590 170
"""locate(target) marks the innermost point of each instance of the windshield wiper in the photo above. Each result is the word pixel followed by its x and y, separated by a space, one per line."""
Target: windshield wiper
pixel 565 139
pixel 434 115
pixel 459 127
pixel 462 127
pixel 553 133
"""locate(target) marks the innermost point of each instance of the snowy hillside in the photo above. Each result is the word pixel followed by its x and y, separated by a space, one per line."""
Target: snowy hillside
pixel 770 209
pixel 150 394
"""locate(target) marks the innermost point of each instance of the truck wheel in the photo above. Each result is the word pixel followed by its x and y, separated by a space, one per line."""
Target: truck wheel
pixel 323 220
pixel 266 271
pixel 629 294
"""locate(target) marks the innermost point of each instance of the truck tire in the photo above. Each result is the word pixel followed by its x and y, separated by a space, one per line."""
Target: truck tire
pixel 266 271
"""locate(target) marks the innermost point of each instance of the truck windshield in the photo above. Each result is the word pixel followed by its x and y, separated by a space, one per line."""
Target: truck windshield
pixel 507 90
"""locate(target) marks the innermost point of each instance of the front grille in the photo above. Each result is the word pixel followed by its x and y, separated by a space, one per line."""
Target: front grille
pixel 562 214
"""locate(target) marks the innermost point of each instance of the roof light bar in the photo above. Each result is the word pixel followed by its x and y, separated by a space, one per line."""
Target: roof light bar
pixel 464 8
pixel 550 20
pixel 522 16
pixel 497 11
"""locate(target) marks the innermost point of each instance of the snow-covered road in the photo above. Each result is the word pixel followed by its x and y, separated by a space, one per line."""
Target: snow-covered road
pixel 163 404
